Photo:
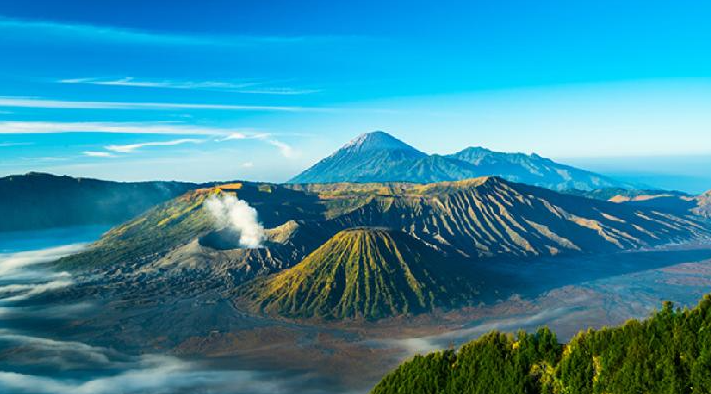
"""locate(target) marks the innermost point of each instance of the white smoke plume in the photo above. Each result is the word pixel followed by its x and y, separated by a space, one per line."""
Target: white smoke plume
pixel 228 210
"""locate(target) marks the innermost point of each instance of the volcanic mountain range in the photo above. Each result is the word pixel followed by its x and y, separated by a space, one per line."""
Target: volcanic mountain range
pixel 352 246
pixel 368 250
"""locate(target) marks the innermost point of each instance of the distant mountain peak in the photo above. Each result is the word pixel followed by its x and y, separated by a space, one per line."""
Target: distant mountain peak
pixel 380 157
pixel 476 149
pixel 479 151
pixel 377 140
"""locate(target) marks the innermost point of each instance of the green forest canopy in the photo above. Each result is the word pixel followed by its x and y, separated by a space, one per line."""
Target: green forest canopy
pixel 668 353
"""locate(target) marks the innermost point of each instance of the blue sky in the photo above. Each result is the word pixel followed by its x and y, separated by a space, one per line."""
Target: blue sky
pixel 134 90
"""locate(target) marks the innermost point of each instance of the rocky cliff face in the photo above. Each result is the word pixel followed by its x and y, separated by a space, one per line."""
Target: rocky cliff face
pixel 703 207
pixel 489 217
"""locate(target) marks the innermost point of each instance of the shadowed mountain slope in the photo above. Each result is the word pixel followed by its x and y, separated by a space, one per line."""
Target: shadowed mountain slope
pixel 674 202
pixel 488 217
pixel 532 169
pixel 363 273
pixel 36 201
pixel 380 157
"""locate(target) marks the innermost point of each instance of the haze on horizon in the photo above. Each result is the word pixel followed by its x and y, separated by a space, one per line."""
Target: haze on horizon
pixel 129 90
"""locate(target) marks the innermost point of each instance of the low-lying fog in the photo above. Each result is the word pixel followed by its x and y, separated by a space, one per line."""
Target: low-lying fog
pixel 567 294
pixel 34 360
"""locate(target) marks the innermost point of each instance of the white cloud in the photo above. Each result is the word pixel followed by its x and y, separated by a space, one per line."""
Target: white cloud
pixel 234 87
pixel 13 263
pixel 234 136
pixel 98 154
pixel 132 82
pixel 161 375
pixel 279 91
pixel 6 144
pixel 248 164
pixel 89 353
pixel 32 127
pixel 286 150
pixel 133 147
pixel 55 362
pixel 36 102
pixel 17 292
pixel 173 128
pixel 14 28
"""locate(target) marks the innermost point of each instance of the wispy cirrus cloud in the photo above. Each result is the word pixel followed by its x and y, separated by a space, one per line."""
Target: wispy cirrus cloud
pixel 19 28
pixel 172 127
pixel 285 149
pixel 234 136
pixel 133 82
pixel 279 91
pixel 133 147
pixel 234 87
pixel 8 144
pixel 219 134
pixel 98 154
pixel 35 102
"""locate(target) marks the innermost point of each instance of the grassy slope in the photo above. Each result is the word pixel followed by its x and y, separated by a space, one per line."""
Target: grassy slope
pixel 148 236
pixel 181 220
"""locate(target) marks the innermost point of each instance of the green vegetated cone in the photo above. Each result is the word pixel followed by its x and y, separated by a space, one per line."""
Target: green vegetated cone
pixel 367 273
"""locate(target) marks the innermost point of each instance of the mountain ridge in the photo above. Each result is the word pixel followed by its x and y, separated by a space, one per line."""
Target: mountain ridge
pixel 38 200
pixel 674 202
pixel 380 157
pixel 179 247
pixel 477 218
